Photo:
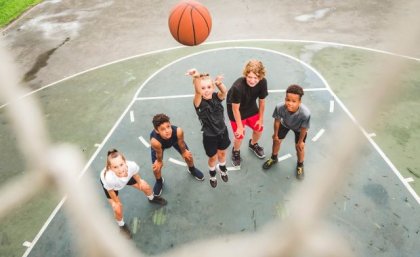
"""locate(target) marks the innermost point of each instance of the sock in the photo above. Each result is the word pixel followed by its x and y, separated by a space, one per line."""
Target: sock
pixel 300 164
pixel 120 222
pixel 191 169
pixel 274 156
pixel 212 171
pixel 151 197
pixel 222 166
pixel 159 180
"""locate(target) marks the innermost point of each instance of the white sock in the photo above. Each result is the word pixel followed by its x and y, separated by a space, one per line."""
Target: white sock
pixel 212 168
pixel 151 196
pixel 222 163
pixel 120 222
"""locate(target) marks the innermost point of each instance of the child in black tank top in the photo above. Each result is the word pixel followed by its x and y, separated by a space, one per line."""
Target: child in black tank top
pixel 210 111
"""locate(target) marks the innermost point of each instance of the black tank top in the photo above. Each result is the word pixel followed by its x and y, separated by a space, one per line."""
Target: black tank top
pixel 211 115
pixel 166 143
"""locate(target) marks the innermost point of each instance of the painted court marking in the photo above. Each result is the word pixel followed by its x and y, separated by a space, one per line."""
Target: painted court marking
pixel 318 135
pixel 131 116
pixel 88 164
pixel 332 106
pixel 177 162
pixel 144 141
pixel 284 157
pixel 410 179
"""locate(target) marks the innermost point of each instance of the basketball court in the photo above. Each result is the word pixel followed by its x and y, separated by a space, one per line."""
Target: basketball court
pixel 102 69
pixel 375 211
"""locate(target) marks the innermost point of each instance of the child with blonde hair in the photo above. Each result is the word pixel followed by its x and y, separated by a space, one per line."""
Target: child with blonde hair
pixel 210 111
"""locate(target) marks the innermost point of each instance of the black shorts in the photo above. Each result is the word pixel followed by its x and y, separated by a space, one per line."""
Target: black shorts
pixel 283 132
pixel 132 181
pixel 214 143
pixel 176 146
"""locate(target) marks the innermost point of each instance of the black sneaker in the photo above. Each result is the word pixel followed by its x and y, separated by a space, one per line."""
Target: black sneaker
pixel 268 163
pixel 300 174
pixel 213 182
pixel 197 174
pixel 157 188
pixel 236 158
pixel 258 150
pixel 125 230
pixel 223 173
pixel 158 200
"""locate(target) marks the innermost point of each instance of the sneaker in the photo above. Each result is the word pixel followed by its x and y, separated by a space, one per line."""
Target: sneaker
pixel 223 173
pixel 270 162
pixel 158 200
pixel 258 150
pixel 157 188
pixel 197 174
pixel 236 158
pixel 213 182
pixel 125 230
pixel 300 174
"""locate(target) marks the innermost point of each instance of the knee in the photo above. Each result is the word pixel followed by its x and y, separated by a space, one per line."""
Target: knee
pixel 117 207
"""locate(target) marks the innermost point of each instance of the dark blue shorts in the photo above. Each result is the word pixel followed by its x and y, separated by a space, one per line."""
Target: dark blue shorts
pixel 283 132
pixel 176 146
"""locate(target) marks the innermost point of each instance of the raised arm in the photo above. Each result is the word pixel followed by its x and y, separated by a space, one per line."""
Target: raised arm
pixel 218 81
pixel 197 85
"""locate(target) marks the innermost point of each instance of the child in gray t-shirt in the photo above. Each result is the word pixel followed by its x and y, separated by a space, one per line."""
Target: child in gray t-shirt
pixel 295 116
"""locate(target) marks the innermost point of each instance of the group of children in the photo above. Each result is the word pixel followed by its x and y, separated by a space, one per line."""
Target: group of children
pixel 242 109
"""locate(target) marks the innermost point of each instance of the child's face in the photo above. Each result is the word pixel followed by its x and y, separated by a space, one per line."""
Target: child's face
pixel 207 88
pixel 292 102
pixel 165 130
pixel 252 79
pixel 119 166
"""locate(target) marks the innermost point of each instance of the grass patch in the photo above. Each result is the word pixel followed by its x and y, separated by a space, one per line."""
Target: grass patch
pixel 11 9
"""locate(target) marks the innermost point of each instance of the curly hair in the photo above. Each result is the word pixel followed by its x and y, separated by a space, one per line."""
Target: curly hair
pixel 256 67
pixel 295 89
pixel 159 119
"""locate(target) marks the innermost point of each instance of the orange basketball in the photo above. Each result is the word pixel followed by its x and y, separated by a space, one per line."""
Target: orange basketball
pixel 189 23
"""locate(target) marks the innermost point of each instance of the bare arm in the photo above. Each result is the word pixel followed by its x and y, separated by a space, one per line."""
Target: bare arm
pixel 222 88
pixel 114 196
pixel 156 145
pixel 238 120
pixel 197 85
pixel 261 109
pixel 181 142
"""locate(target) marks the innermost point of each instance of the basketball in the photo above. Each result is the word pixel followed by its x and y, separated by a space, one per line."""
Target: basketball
pixel 190 23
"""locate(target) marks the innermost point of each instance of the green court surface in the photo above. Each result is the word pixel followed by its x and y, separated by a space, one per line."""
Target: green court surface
pixel 112 106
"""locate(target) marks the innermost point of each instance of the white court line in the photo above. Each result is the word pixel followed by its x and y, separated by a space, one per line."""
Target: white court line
pixel 306 90
pixel 177 162
pixel 97 145
pixel 318 135
pixel 53 214
pixel 234 168
pixel 214 43
pixel 131 116
pixel 284 157
pixel 27 244
pixel 372 135
pixel 144 141
pixel 410 179
pixel 332 106
pixel 189 96
pixel 163 97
